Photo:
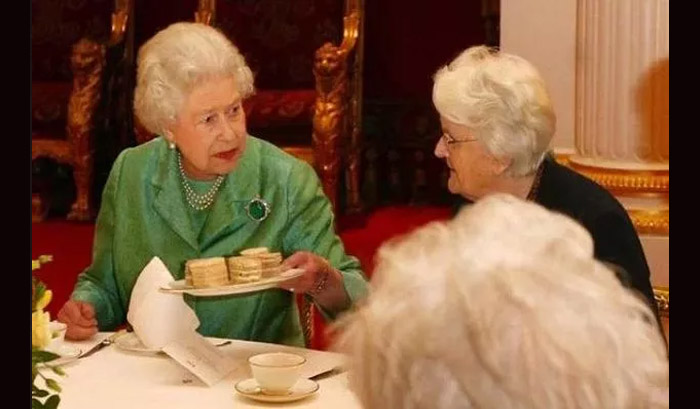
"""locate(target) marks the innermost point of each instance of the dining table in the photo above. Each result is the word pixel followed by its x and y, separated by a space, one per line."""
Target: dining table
pixel 119 378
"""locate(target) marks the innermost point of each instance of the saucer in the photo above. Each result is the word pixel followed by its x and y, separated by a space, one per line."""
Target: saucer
pixel 303 388
pixel 67 354
pixel 131 343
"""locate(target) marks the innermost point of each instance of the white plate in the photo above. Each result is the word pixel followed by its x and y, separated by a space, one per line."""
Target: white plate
pixel 303 388
pixel 67 354
pixel 179 286
pixel 131 343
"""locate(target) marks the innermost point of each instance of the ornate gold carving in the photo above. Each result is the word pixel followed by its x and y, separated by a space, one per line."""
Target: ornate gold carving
pixel 206 11
pixel 630 183
pixel 330 70
pixel 354 122
pixel 87 64
pixel 330 110
pixel 649 221
pixel 120 18
pixel 661 297
pixel 625 181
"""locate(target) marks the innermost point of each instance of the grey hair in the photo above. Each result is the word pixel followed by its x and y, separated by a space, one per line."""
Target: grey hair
pixel 504 102
pixel 503 307
pixel 175 60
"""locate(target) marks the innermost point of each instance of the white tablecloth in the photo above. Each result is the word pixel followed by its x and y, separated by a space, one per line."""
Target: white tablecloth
pixel 113 378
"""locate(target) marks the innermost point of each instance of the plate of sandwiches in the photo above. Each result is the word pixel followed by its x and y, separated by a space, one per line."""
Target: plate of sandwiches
pixel 253 270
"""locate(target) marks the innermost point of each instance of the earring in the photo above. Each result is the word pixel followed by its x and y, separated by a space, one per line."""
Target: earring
pixel 171 145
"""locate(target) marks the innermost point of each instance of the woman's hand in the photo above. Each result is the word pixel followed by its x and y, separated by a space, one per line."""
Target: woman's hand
pixel 319 280
pixel 314 267
pixel 80 318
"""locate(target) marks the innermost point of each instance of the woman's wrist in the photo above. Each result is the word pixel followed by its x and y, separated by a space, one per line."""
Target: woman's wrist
pixel 321 283
pixel 329 291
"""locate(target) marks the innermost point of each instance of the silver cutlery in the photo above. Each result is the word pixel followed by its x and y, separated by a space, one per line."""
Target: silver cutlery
pixel 105 342
pixel 328 373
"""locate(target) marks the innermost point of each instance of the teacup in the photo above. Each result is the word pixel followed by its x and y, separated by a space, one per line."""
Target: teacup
pixel 276 372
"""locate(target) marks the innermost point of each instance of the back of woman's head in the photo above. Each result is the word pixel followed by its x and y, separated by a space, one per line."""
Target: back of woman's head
pixel 504 102
pixel 504 307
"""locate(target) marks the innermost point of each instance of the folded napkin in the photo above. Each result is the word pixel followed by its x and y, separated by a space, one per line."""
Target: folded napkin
pixel 165 322
pixel 159 318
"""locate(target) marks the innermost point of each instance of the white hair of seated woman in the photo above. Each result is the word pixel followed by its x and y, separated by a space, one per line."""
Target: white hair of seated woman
pixel 503 307
pixel 504 102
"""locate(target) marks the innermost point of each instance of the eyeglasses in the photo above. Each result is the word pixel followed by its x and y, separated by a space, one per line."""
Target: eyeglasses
pixel 449 140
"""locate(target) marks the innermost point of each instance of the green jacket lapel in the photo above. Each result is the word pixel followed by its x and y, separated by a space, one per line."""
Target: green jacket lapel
pixel 169 200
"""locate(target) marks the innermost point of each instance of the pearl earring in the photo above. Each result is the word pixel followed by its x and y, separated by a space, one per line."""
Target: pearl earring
pixel 171 145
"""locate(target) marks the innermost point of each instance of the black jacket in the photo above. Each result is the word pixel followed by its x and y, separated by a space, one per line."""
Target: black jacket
pixel 615 239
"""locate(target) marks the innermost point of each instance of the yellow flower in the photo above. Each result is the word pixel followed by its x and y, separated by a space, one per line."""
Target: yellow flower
pixel 45 300
pixel 41 333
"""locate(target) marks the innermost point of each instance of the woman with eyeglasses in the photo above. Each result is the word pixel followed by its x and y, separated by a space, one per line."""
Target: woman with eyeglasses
pixel 497 123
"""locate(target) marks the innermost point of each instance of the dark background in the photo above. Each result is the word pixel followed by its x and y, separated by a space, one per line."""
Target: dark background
pixel 405 43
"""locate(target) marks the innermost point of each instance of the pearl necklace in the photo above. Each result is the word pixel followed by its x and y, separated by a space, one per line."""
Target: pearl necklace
pixel 197 201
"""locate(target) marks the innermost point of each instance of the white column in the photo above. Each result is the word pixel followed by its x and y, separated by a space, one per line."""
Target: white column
pixel 622 106
pixel 622 84
pixel 606 65
pixel 621 114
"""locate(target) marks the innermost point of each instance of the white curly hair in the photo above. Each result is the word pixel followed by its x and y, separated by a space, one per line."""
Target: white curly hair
pixel 503 307
pixel 174 61
pixel 503 101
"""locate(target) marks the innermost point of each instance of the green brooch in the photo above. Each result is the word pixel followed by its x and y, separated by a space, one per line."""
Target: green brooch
pixel 258 209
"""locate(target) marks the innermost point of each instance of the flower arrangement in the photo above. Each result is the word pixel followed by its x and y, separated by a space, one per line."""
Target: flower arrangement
pixel 41 337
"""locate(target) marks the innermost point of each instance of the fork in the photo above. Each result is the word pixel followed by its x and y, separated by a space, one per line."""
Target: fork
pixel 105 342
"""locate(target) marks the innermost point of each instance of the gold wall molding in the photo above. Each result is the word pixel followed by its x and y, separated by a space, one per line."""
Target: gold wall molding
pixel 562 158
pixel 631 184
pixel 649 221
pixel 625 181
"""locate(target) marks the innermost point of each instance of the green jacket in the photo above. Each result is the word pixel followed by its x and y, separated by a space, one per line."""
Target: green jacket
pixel 144 214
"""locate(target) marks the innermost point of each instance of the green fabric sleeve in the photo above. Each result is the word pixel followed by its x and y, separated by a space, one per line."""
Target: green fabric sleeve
pixel 311 227
pixel 97 285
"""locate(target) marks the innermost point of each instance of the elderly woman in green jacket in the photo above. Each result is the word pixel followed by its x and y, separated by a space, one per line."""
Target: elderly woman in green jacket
pixel 206 188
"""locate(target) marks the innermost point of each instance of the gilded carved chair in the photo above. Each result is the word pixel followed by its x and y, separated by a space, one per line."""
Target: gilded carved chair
pixel 279 39
pixel 68 79
pixel 308 89
pixel 314 118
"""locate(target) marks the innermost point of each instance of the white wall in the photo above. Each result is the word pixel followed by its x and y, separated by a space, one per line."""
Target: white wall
pixel 544 33
pixel 656 251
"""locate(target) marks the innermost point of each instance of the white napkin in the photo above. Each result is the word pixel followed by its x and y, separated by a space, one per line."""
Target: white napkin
pixel 165 322
pixel 158 318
